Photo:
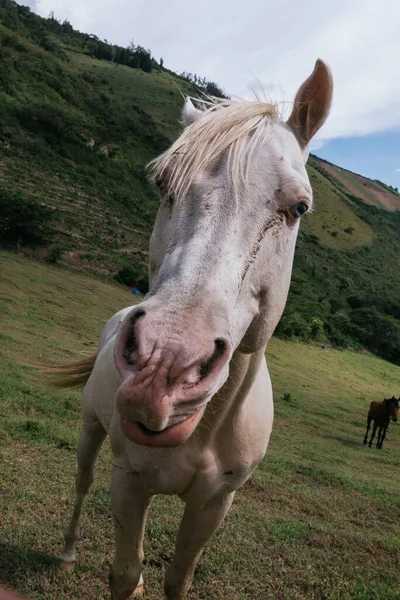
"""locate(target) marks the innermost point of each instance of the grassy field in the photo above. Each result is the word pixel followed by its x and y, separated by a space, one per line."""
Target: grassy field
pixel 319 519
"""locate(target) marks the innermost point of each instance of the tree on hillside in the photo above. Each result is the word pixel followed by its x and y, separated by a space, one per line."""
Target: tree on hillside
pixel 208 87
pixel 101 50
pixel 122 56
pixel 141 59
pixel 213 89
pixel 22 220
pixel 67 27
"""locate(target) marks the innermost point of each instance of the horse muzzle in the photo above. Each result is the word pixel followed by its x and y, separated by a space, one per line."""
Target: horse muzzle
pixel 170 371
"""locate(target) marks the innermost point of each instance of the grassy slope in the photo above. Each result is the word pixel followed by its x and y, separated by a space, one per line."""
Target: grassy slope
pixel 333 215
pixel 371 192
pixel 106 210
pixel 105 207
pixel 158 92
pixel 318 520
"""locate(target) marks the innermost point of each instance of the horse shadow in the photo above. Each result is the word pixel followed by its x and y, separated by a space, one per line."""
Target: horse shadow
pixel 349 442
pixel 16 563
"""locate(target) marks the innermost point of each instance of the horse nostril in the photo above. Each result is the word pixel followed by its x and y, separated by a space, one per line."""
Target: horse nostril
pixel 220 347
pixel 140 313
pixel 130 347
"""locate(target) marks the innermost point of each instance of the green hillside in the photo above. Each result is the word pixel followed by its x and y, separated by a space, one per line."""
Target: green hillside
pixel 319 518
pixel 373 192
pixel 80 119
pixel 76 134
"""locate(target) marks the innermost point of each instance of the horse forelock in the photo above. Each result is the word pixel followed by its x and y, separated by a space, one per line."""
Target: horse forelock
pixel 237 128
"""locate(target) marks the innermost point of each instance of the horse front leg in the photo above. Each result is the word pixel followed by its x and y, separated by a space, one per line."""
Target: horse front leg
pixel 367 432
pixel 197 526
pixel 89 444
pixel 383 435
pixel 129 503
pixel 379 437
pixel 373 434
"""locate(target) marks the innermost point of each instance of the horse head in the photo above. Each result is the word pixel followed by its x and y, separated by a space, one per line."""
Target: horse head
pixel 233 188
pixel 394 408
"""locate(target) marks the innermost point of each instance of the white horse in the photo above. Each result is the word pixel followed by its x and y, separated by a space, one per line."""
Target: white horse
pixel 180 382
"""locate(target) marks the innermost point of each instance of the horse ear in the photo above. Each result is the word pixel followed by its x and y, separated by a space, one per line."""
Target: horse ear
pixel 189 113
pixel 312 104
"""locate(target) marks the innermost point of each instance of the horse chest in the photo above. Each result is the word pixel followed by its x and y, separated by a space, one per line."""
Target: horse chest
pixel 189 475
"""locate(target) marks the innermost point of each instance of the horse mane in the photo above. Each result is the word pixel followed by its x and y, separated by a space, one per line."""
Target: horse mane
pixel 391 400
pixel 238 127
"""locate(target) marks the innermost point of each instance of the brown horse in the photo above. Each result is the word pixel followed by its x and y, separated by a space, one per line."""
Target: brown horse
pixel 380 412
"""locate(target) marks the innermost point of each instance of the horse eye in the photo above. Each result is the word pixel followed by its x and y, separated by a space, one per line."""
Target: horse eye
pixel 298 210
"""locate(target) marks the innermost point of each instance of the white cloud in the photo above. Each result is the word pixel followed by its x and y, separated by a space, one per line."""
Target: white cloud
pixel 317 144
pixel 397 170
pixel 237 43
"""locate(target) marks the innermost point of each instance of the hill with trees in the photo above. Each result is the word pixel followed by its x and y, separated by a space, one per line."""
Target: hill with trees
pixel 81 118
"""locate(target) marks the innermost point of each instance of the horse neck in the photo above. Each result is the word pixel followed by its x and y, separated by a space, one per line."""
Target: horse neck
pixel 387 405
pixel 227 402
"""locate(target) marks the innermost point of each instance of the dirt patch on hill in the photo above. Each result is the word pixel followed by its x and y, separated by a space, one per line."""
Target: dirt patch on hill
pixel 369 191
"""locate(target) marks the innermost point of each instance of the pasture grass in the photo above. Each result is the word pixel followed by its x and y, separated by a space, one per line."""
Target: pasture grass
pixel 318 520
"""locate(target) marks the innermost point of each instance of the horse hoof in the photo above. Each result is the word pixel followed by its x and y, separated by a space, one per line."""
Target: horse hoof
pixel 66 565
pixel 365 443
pixel 139 591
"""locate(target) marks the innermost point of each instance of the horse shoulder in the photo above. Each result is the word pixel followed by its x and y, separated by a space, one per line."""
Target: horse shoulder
pixel 229 459
pixel 375 408
pixel 244 440
pixel 100 390
pixel 259 409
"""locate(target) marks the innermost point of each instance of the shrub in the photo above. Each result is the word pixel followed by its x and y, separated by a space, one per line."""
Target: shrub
pixel 48 118
pixel 293 325
pixel 134 274
pixel 380 333
pixel 55 254
pixel 317 331
pixel 22 219
pixel 287 397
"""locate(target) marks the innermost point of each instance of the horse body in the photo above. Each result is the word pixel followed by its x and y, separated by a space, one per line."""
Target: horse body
pixel 204 472
pixel 381 412
pixel 180 382
pixel 217 457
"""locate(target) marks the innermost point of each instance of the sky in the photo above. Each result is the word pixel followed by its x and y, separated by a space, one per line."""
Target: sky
pixel 272 45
